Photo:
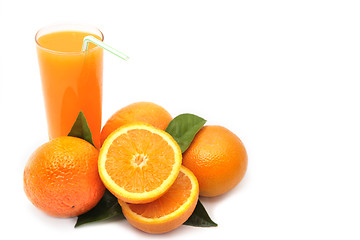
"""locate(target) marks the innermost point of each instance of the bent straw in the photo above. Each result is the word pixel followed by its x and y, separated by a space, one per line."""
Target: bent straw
pixel 96 41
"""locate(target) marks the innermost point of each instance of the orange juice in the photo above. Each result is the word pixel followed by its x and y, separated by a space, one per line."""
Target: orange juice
pixel 71 80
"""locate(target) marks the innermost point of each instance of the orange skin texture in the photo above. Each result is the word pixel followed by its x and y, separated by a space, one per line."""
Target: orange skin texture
pixel 61 177
pixel 218 159
pixel 147 112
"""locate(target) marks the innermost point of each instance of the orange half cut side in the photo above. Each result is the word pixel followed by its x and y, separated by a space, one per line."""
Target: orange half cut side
pixel 138 162
pixel 170 210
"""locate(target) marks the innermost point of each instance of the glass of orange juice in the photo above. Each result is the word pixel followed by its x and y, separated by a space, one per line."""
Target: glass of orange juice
pixel 71 78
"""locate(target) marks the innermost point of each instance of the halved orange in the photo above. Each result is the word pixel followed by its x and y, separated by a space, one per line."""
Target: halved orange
pixel 170 210
pixel 138 162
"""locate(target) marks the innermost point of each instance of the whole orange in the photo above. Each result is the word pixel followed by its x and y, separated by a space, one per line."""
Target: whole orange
pixel 61 177
pixel 218 159
pixel 146 112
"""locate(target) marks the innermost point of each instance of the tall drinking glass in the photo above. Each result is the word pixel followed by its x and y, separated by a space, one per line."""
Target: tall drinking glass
pixel 71 78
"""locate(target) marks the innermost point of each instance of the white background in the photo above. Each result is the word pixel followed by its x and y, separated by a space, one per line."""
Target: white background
pixel 282 75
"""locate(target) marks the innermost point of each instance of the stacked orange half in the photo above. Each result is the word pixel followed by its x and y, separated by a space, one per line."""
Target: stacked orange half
pixel 170 210
pixel 141 166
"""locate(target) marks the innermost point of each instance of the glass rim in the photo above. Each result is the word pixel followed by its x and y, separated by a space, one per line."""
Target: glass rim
pixel 70 25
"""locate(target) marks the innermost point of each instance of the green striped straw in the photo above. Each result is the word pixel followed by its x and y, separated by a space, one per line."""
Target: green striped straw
pixel 96 41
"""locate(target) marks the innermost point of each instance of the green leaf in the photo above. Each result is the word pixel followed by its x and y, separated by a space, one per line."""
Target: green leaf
pixel 183 129
pixel 81 129
pixel 107 207
pixel 200 218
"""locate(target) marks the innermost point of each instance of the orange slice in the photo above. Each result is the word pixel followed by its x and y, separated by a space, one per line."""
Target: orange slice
pixel 138 162
pixel 169 211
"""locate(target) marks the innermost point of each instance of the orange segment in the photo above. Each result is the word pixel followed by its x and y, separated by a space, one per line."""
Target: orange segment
pixel 138 162
pixel 170 210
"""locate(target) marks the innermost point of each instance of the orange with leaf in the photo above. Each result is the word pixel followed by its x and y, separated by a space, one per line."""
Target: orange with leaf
pixel 61 177
pixel 218 159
